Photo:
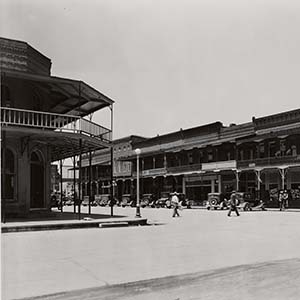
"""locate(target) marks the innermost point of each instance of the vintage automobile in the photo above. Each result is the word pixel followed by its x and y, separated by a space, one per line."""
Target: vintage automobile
pixel 183 201
pixel 126 200
pixel 86 200
pixel 163 201
pixel 248 202
pixel 104 199
pixel 146 199
pixel 216 201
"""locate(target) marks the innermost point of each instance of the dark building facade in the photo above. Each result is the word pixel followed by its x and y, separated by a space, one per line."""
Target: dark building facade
pixel 260 157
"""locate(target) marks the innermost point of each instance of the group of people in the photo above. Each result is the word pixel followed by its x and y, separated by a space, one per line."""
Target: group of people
pixel 233 203
pixel 283 199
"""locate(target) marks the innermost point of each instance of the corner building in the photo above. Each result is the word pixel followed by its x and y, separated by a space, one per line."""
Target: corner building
pixel 42 121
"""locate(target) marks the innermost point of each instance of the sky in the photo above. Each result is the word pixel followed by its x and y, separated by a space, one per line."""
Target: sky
pixel 169 64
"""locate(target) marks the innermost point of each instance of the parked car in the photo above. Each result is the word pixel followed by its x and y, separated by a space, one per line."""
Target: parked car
pixel 216 201
pixel 146 199
pixel 104 199
pixel 126 200
pixel 163 201
pixel 249 201
pixel 86 200
pixel 183 201
pixel 70 201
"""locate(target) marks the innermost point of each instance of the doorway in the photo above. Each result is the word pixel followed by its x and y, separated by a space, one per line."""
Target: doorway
pixel 37 182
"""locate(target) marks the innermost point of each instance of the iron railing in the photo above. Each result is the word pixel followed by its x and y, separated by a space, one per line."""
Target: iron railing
pixel 185 168
pixel 269 161
pixel 51 121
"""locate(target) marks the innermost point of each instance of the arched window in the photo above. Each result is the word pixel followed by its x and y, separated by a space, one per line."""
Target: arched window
pixel 8 172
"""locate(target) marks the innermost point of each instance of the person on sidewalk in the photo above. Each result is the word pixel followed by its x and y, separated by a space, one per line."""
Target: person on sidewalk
pixel 233 203
pixel 175 203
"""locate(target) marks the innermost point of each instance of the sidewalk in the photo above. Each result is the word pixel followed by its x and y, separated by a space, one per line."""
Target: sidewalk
pixel 67 220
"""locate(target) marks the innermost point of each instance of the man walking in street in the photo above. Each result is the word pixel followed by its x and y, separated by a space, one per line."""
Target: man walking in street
pixel 175 203
pixel 233 205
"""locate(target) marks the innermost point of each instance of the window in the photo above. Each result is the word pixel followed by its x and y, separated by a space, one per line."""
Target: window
pixel 190 158
pixel 210 156
pixel 8 175
pixel 272 149
pixel 261 150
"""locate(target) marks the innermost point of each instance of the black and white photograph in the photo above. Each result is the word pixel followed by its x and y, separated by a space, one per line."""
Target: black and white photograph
pixel 150 149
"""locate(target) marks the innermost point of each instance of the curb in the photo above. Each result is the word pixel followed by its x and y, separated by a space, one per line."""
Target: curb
pixel 74 225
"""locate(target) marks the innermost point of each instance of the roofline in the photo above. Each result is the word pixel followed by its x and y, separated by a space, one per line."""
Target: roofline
pixel 38 77
pixel 23 42
pixel 129 137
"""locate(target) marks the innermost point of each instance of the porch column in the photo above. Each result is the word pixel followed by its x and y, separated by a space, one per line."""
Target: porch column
pixel 74 183
pixel 111 181
pixel 61 186
pixel 237 179
pixel 212 185
pixel 153 162
pixel 219 183
pixel 183 185
pixel 79 179
pixel 90 181
pixel 165 161
pixel 97 187
pixel 257 172
pixel 282 171
pixel 3 191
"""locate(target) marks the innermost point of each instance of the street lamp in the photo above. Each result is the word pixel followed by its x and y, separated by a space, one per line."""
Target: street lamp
pixel 138 210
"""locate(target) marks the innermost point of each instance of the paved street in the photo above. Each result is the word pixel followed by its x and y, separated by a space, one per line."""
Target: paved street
pixel 39 263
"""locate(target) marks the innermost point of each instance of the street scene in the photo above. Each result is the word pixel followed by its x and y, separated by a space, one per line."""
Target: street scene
pixel 150 149
pixel 200 241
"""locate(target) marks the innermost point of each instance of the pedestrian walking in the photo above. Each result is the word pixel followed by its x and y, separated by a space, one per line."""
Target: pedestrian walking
pixel 175 203
pixel 233 203
pixel 281 200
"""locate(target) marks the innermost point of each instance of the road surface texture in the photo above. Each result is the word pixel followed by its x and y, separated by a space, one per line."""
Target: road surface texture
pixel 237 257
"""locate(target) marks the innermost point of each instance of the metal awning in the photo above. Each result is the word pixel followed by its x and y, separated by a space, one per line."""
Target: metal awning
pixel 283 133
pixel 68 96
pixel 61 144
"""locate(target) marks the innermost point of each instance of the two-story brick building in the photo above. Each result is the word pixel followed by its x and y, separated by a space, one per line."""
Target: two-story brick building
pixel 261 157
pixel 100 166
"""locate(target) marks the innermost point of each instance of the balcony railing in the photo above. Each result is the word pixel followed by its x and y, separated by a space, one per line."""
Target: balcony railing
pixel 50 121
pixel 269 161
pixel 219 165
pixel 185 168
pixel 152 172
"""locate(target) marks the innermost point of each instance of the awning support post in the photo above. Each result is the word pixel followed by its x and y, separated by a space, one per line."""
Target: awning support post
pixel 74 183
pixel 282 172
pixel 259 181
pixel 237 178
pixel 79 180
pixel 61 186
pixel 111 163
pixel 3 191
pixel 90 180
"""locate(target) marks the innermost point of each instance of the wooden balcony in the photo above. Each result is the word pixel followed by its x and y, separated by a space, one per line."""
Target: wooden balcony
pixel 152 172
pixel 219 165
pixel 269 161
pixel 184 168
pixel 55 122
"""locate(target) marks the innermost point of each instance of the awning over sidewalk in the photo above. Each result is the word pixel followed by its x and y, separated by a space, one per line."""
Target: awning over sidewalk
pixel 61 144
